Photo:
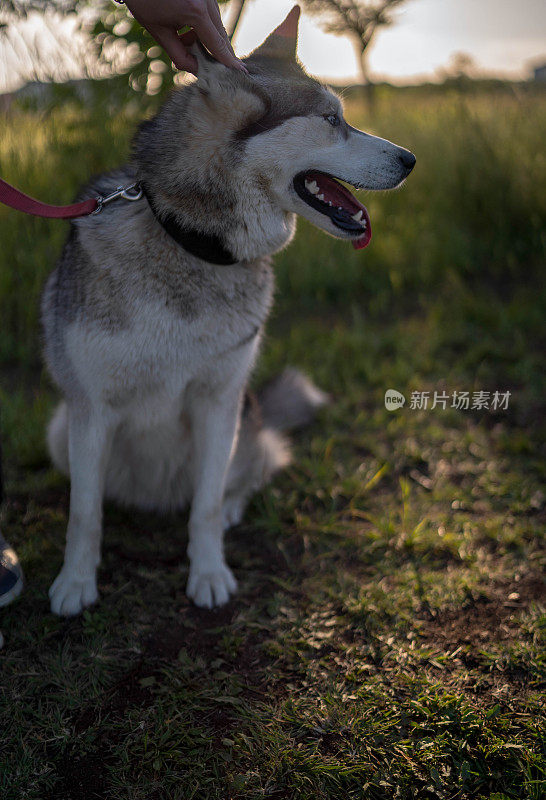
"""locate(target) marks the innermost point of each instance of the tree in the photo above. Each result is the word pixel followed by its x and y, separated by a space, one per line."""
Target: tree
pixel 358 19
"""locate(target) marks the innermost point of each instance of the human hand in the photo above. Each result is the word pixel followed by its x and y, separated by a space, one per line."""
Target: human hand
pixel 164 18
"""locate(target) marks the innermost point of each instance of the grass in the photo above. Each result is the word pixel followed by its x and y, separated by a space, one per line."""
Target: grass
pixel 389 634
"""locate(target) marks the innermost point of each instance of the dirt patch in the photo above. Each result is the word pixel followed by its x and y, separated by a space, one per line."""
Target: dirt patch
pixel 200 635
pixel 485 619
pixel 127 692
pixel 195 633
pixel 83 777
pixel 88 775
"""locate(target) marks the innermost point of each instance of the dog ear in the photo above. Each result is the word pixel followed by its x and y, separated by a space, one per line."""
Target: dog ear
pixel 209 70
pixel 283 42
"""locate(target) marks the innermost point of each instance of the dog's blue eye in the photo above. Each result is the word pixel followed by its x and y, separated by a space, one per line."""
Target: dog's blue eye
pixel 333 119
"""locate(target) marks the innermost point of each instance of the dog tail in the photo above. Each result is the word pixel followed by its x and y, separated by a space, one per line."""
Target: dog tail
pixel 290 401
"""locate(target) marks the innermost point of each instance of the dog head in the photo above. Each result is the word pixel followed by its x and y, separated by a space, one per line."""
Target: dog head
pixel 240 155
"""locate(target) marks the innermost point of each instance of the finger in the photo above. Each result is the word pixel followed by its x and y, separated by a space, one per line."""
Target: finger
pixel 214 13
pixel 216 44
pixel 175 48
pixel 219 25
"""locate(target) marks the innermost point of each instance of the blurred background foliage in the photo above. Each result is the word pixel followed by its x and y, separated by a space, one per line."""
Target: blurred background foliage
pixel 122 49
pixel 149 68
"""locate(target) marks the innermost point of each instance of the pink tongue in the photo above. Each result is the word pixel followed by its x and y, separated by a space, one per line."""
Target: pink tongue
pixel 364 240
pixel 337 195
pixel 361 242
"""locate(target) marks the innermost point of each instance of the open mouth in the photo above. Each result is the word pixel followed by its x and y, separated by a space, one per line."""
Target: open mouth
pixel 323 193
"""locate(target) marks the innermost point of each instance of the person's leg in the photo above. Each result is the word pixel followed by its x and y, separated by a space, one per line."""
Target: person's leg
pixel 11 574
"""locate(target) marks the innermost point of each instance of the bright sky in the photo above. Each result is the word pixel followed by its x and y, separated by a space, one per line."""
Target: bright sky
pixel 503 36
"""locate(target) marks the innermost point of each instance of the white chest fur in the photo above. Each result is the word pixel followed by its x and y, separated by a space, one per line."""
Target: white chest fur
pixel 145 366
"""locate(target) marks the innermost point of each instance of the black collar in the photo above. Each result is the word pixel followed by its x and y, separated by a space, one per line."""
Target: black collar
pixel 208 247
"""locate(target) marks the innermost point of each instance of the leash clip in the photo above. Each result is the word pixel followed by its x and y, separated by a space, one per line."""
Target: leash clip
pixel 132 192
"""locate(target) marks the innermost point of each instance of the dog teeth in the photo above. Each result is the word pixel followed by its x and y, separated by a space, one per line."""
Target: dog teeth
pixel 320 196
pixel 312 187
pixel 358 216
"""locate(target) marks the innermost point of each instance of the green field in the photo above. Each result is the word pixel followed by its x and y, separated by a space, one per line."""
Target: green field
pixel 388 639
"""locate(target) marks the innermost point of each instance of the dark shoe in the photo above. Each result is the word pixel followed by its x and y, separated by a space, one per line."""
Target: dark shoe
pixel 11 574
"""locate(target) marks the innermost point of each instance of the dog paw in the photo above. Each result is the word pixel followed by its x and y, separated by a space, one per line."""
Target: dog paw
pixel 233 510
pixel 70 593
pixel 211 589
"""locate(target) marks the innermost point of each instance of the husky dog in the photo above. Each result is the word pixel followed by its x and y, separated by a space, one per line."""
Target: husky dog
pixel 154 314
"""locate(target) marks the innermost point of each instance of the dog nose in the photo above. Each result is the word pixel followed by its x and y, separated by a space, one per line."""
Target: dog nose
pixel 408 160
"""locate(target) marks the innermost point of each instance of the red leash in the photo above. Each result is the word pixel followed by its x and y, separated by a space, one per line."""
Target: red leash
pixel 10 196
